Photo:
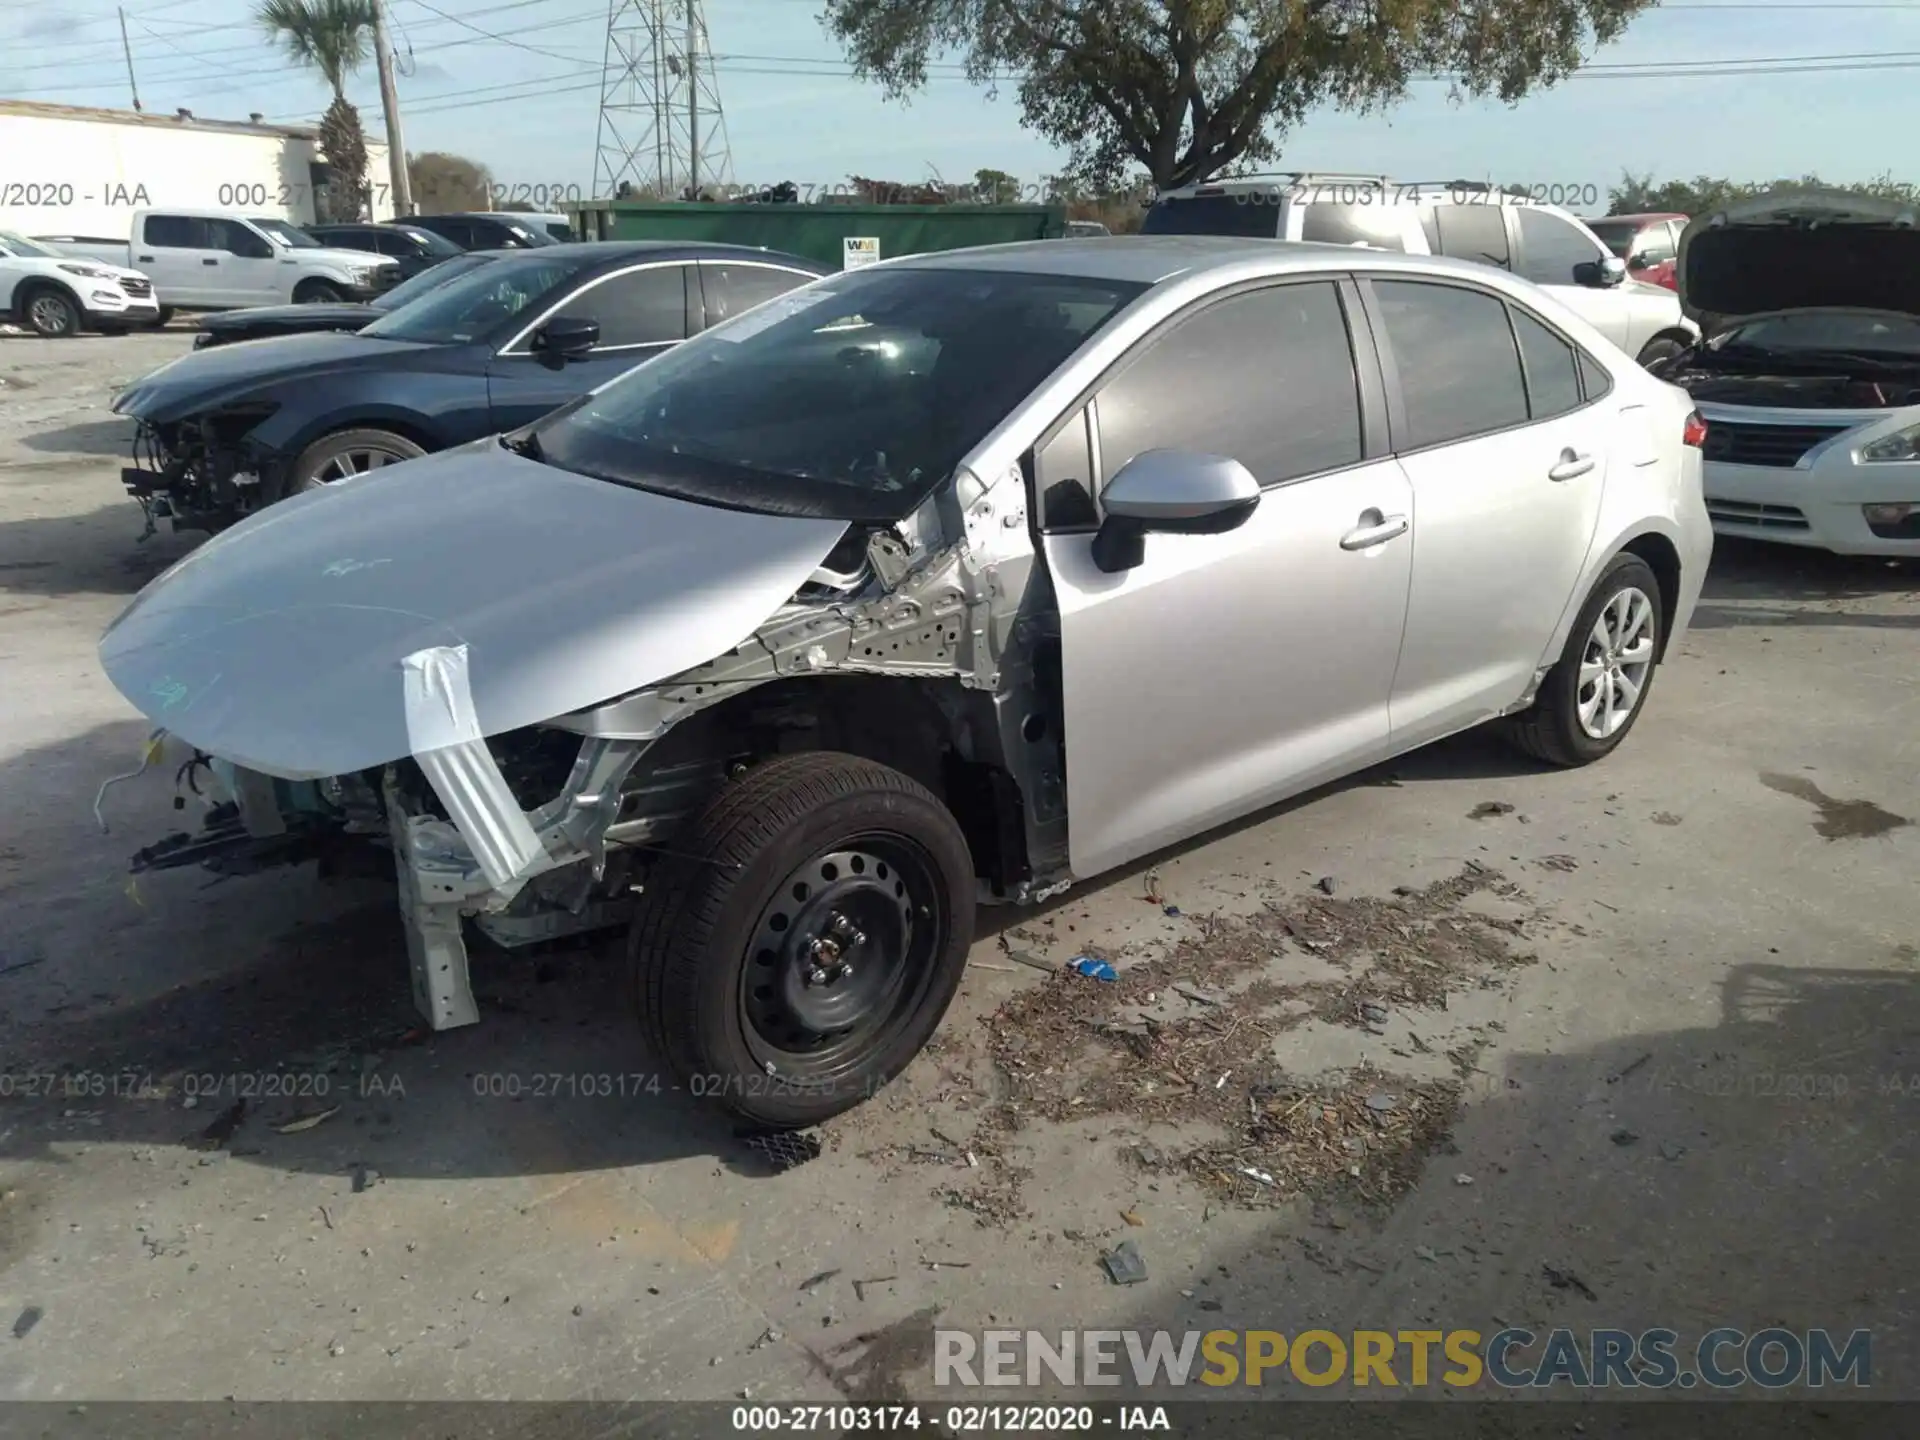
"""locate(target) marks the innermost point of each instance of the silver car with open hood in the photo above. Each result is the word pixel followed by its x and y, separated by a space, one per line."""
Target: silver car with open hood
pixel 1809 372
pixel 955 578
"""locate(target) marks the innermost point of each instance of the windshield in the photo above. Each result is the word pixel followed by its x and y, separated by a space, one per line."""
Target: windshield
pixel 1251 212
pixel 1617 235
pixel 1862 332
pixel 849 399
pixel 435 244
pixel 290 236
pixel 19 245
pixel 432 278
pixel 560 231
pixel 470 305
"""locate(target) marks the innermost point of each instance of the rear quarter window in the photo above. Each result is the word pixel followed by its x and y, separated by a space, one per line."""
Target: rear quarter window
pixel 1250 213
pixel 1384 227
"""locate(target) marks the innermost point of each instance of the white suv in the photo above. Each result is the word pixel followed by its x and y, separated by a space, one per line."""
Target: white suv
pixel 1466 220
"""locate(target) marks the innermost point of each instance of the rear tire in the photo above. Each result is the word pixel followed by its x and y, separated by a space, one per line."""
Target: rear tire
pixel 51 312
pixel 799 944
pixel 163 317
pixel 1575 719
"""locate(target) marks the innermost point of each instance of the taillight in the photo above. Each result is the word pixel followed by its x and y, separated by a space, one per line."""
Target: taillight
pixel 1695 433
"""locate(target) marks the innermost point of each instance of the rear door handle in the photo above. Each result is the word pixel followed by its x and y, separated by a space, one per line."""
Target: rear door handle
pixel 146 259
pixel 1571 467
pixel 1374 529
pixel 209 261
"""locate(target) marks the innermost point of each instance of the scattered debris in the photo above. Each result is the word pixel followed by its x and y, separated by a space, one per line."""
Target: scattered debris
pixel 1153 895
pixel 1094 969
pixel 1623 1137
pixel 1132 1218
pixel 1187 990
pixel 983 965
pixel 1665 817
pixel 29 1318
pixel 364 1177
pixel 17 966
pixel 326 1218
pixel 948 1264
pixel 767 1337
pixel 1562 863
pixel 1463 1179
pixel 1567 1280
pixel 1173 910
pixel 814 1282
pixel 217 1135
pixel 1627 1070
pixel 1326 884
pixel 1031 961
pixel 1383 1104
pixel 579 1310
pixel 307 1122
pixel 1124 1265
pixel 1671 1151
pixel 1425 1252
pixel 1406 891
pixel 1486 809
pixel 860 1286
pixel 1252 1174
pixel 1208 1305
pixel 783 1149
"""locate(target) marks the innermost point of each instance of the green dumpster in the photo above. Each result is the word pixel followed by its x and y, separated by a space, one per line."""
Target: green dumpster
pixel 833 234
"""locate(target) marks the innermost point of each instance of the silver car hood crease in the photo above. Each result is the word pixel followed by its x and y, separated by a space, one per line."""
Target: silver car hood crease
pixel 279 644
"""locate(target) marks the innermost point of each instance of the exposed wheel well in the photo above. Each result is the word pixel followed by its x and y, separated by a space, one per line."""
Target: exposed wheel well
pixel 936 731
pixel 313 282
pixel 1664 561
pixel 33 285
pixel 404 428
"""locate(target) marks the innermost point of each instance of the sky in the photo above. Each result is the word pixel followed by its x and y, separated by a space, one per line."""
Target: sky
pixel 515 84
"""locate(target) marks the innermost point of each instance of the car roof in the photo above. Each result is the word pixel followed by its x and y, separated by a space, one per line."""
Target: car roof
pixel 596 251
pixel 1150 259
pixel 1644 217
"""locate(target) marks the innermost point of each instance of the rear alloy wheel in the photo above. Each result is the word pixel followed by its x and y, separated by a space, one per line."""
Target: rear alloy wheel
pixel 334 458
pixel 53 313
pixel 801 940
pixel 1590 699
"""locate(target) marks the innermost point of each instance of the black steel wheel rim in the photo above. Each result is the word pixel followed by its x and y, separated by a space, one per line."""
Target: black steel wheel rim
pixel 841 957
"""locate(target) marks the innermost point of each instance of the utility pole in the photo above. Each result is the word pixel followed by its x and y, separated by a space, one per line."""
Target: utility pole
pixel 693 100
pixel 126 49
pixel 390 103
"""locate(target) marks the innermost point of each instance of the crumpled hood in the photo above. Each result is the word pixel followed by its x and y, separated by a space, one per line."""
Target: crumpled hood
pixel 279 644
pixel 289 318
pixel 1799 250
pixel 202 379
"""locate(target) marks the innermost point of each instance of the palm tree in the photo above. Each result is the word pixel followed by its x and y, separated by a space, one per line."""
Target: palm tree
pixel 335 37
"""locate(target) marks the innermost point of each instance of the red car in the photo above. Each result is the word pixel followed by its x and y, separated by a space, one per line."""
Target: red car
pixel 1650 244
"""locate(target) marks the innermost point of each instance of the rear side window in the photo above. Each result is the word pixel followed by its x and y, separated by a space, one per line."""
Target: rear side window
pixel 1594 380
pixel 1252 213
pixel 458 231
pixel 175 232
pixel 1266 377
pixel 735 289
pixel 1550 247
pixel 1459 370
pixel 1381 226
pixel 1473 232
pixel 1553 371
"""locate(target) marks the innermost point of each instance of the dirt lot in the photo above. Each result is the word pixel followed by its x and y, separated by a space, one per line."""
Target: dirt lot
pixel 1457 1044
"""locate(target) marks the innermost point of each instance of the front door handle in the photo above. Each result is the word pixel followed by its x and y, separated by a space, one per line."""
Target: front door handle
pixel 1571 467
pixel 1374 529
pixel 209 261
pixel 146 259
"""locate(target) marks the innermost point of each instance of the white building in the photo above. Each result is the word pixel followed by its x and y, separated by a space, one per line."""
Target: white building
pixel 70 170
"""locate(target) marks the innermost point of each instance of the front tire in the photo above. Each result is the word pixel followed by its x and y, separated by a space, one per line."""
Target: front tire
pixel 317 292
pixel 52 313
pixel 800 942
pixel 1594 694
pixel 1659 351
pixel 346 454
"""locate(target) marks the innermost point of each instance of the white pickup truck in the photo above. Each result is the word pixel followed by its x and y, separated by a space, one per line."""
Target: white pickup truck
pixel 212 260
pixel 58 296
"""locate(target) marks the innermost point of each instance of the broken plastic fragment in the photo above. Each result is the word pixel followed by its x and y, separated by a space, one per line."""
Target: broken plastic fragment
pixel 1094 969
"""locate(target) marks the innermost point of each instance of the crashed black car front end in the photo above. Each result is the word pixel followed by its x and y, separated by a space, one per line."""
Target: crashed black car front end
pixel 200 473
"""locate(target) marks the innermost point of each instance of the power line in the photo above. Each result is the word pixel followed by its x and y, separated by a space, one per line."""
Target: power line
pixel 489 35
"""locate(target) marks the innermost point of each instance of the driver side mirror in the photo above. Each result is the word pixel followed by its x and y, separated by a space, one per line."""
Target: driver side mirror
pixel 1600 274
pixel 1170 492
pixel 561 340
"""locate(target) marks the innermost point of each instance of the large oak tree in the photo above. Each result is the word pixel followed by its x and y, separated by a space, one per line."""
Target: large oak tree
pixel 1186 88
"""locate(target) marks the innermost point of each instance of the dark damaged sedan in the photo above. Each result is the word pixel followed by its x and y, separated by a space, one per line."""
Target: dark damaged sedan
pixel 226 431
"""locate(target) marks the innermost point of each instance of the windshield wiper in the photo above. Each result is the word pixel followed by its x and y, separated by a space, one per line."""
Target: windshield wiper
pixel 527 445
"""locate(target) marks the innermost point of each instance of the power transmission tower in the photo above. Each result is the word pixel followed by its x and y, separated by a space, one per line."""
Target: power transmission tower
pixel 662 130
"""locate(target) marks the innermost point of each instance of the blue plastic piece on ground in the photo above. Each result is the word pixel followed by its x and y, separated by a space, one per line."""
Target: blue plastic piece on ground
pixel 1094 969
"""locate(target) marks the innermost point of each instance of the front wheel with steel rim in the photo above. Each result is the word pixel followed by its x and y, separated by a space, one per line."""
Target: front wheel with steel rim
pixel 53 313
pixel 1592 696
pixel 798 943
pixel 347 454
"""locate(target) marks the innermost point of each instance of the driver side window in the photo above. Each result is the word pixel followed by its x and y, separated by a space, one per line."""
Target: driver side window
pixel 238 240
pixel 635 308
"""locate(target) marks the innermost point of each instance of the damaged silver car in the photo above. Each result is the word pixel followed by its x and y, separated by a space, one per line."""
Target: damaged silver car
pixel 954 579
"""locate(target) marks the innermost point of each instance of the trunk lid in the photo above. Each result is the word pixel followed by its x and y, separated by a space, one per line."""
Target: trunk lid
pixel 279 644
